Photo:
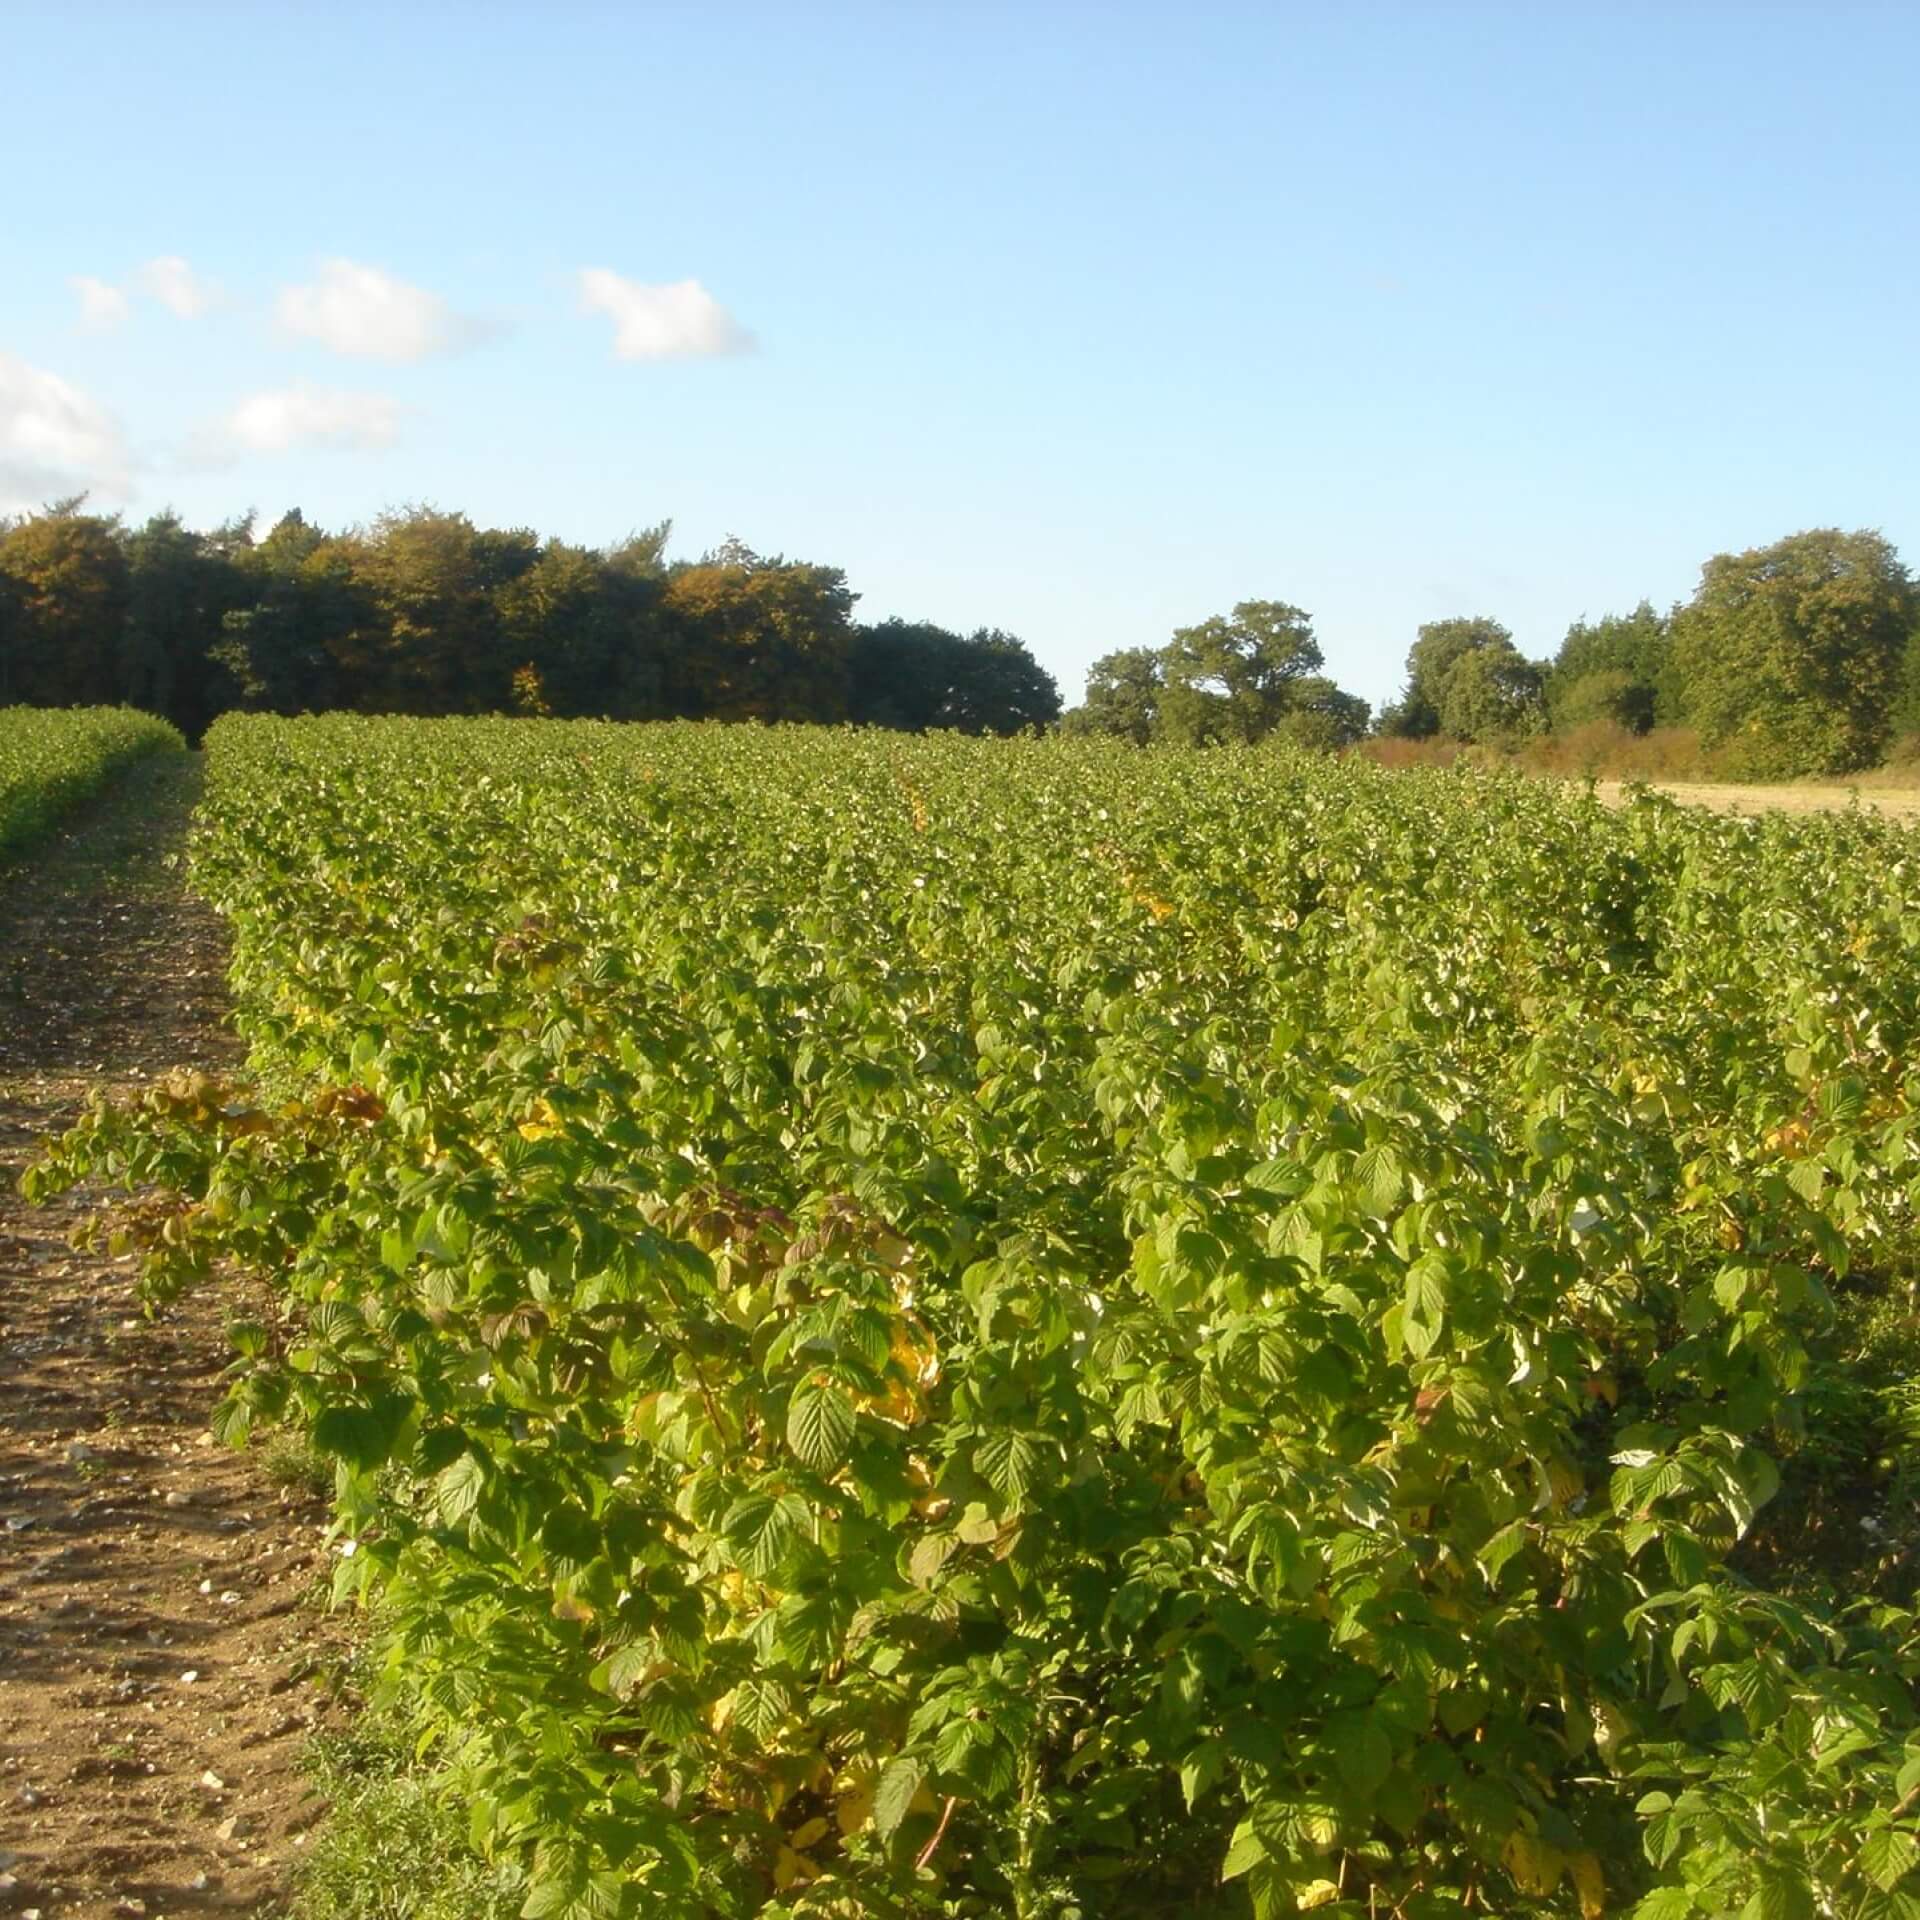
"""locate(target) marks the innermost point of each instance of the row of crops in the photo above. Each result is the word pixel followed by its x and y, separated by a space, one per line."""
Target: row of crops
pixel 934 1327
pixel 53 757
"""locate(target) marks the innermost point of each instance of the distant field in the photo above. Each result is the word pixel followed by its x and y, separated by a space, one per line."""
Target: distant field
pixel 1900 803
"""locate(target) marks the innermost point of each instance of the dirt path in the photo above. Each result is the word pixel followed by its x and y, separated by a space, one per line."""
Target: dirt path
pixel 155 1619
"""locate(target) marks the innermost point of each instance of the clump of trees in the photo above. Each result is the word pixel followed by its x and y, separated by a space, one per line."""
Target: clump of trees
pixel 1466 679
pixel 1246 676
pixel 424 612
pixel 1790 657
pixel 1800 657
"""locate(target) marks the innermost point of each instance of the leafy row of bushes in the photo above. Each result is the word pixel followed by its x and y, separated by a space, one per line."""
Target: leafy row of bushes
pixel 50 759
pixel 941 1328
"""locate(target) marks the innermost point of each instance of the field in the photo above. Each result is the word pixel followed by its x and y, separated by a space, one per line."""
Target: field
pixel 1897 803
pixel 925 1327
pixel 52 758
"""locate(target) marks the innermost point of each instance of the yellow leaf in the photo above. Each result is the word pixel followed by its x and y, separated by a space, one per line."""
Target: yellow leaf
pixel 1610 1727
pixel 804 1837
pixel 1536 1867
pixel 792 1869
pixel 912 1350
pixel 1315 1893
pixel 1565 1482
pixel 854 1808
pixel 1590 1882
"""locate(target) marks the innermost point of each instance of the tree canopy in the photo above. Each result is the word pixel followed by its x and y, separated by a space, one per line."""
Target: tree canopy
pixel 1795 658
pixel 425 612
pixel 1789 658
pixel 1239 677
pixel 1613 669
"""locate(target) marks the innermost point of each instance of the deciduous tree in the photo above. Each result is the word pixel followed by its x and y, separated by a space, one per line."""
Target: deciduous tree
pixel 69 591
pixel 1788 657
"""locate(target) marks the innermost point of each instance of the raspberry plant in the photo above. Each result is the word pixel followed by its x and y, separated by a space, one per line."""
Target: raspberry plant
pixel 1027 1328
pixel 51 758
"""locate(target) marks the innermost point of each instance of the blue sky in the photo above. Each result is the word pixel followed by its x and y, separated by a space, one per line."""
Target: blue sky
pixel 1081 321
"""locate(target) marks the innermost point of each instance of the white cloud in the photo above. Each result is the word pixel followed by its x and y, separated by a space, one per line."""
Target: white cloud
pixel 54 439
pixel 303 415
pixel 102 307
pixel 676 321
pixel 363 311
pixel 176 286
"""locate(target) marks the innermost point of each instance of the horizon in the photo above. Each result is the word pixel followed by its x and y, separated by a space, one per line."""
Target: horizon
pixel 1086 328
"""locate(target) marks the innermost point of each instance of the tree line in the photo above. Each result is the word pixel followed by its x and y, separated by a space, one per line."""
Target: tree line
pixel 423 612
pixel 1800 657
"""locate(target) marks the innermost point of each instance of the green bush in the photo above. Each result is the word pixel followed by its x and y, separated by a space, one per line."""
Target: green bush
pixel 53 757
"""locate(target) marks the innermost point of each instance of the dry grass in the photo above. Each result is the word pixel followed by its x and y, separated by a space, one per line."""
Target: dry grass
pixel 1671 760
pixel 1900 803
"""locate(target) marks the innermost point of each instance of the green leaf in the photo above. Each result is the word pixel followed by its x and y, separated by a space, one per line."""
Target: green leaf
pixel 761 1704
pixel 232 1421
pixel 457 1491
pixel 1362 1751
pixel 1887 1856
pixel 1808 1178
pixel 1204 1767
pixel 1007 1462
pixel 761 1531
pixel 894 1794
pixel 548 1899
pixel 1425 1305
pixel 976 1526
pixel 1779 1897
pixel 1665 1903
pixel 819 1425
pixel 808 1626
pixel 1502 1547
pixel 930 1553
pixel 624 1669
pixel 248 1338
pixel 357 1435
pixel 1245 1851
pixel 1380 1179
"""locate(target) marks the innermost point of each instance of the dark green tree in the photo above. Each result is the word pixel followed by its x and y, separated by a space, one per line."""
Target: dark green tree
pixel 915 676
pixel 1235 677
pixel 431 641
pixel 1789 657
pixel 1124 691
pixel 1904 721
pixel 287 648
pixel 1439 648
pixel 181 586
pixel 1614 669
pixel 558 617
pixel 1491 696
pixel 1324 718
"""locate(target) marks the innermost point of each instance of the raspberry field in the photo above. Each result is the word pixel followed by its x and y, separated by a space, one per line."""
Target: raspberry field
pixel 925 1327
pixel 52 758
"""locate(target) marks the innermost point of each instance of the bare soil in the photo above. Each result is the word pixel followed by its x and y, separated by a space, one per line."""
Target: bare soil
pixel 158 1627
